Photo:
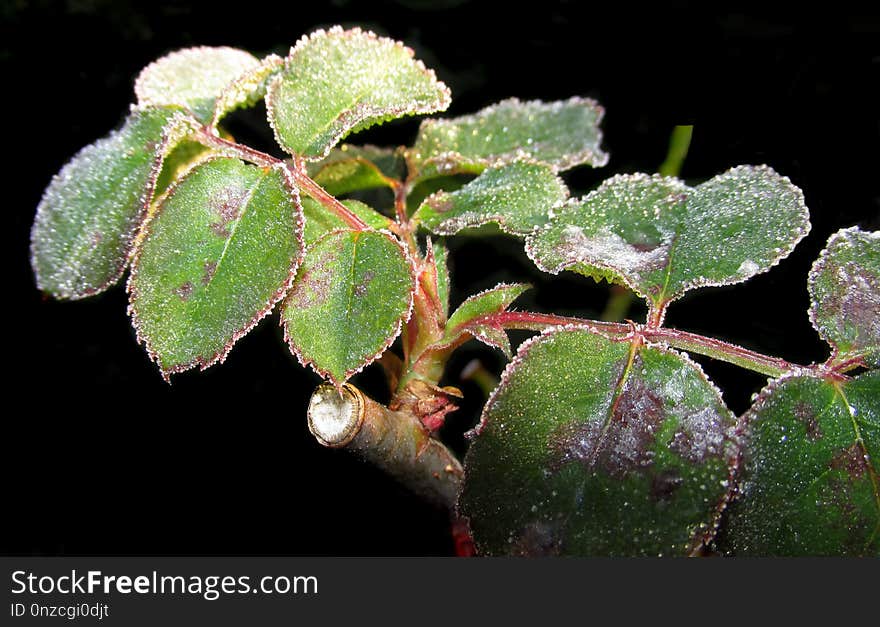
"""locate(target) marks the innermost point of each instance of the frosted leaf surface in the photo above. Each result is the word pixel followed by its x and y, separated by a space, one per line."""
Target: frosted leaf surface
pixel 562 134
pixel 467 319
pixel 215 258
pixel 517 196
pixel 350 298
pixel 248 88
pixel 351 168
pixel 185 155
pixel 662 238
pixel 845 295
pixel 441 260
pixel 320 221
pixel 808 484
pixel 88 217
pixel 193 78
pixel 587 449
pixel 341 81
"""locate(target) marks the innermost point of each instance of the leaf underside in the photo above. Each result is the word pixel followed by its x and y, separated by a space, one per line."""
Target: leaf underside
pixel 337 82
pixel 809 476
pixel 587 449
pixel 562 134
pixel 844 286
pixel 90 213
pixel 218 254
pixel 661 238
pixel 351 295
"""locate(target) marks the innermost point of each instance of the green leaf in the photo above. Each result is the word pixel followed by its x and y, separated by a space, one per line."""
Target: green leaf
pixel 592 447
pixel 809 474
pixel 337 82
pixel 352 168
pixel 518 197
pixel 219 253
pixel 562 134
pixel 351 296
pixel 86 222
pixel 467 319
pixel 845 295
pixel 248 88
pixel 441 261
pixel 193 78
pixel 178 162
pixel 662 238
pixel 320 221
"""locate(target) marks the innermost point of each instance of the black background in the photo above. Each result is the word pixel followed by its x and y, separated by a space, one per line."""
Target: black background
pixel 101 456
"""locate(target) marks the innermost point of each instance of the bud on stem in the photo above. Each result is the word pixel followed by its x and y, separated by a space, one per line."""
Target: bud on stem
pixel 395 441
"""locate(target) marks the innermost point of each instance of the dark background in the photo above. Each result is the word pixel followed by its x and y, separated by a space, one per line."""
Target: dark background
pixel 101 456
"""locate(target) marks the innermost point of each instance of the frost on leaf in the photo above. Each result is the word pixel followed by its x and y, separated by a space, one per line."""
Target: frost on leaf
pixel 352 294
pixel 194 78
pixel 440 255
pixel 337 82
pixel 248 88
pixel 218 254
pixel 591 447
pixel 845 295
pixel 90 213
pixel 352 168
pixel 562 134
pixel 662 238
pixel 518 196
pixel 470 319
pixel 808 482
pixel 320 221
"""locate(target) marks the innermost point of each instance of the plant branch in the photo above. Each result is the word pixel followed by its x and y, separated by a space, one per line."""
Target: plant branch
pixel 723 351
pixel 395 441
pixel 207 137
pixel 683 340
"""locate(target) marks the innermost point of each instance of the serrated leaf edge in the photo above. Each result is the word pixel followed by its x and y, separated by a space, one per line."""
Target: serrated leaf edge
pixel 733 448
pixel 307 362
pixel 142 101
pixel 594 158
pixel 201 361
pixel 819 265
pixel 498 219
pixel 172 134
pixel 224 104
pixel 802 231
pixel 365 112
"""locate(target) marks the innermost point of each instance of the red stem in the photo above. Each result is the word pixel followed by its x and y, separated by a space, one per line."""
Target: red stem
pixel 710 347
pixel 297 172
